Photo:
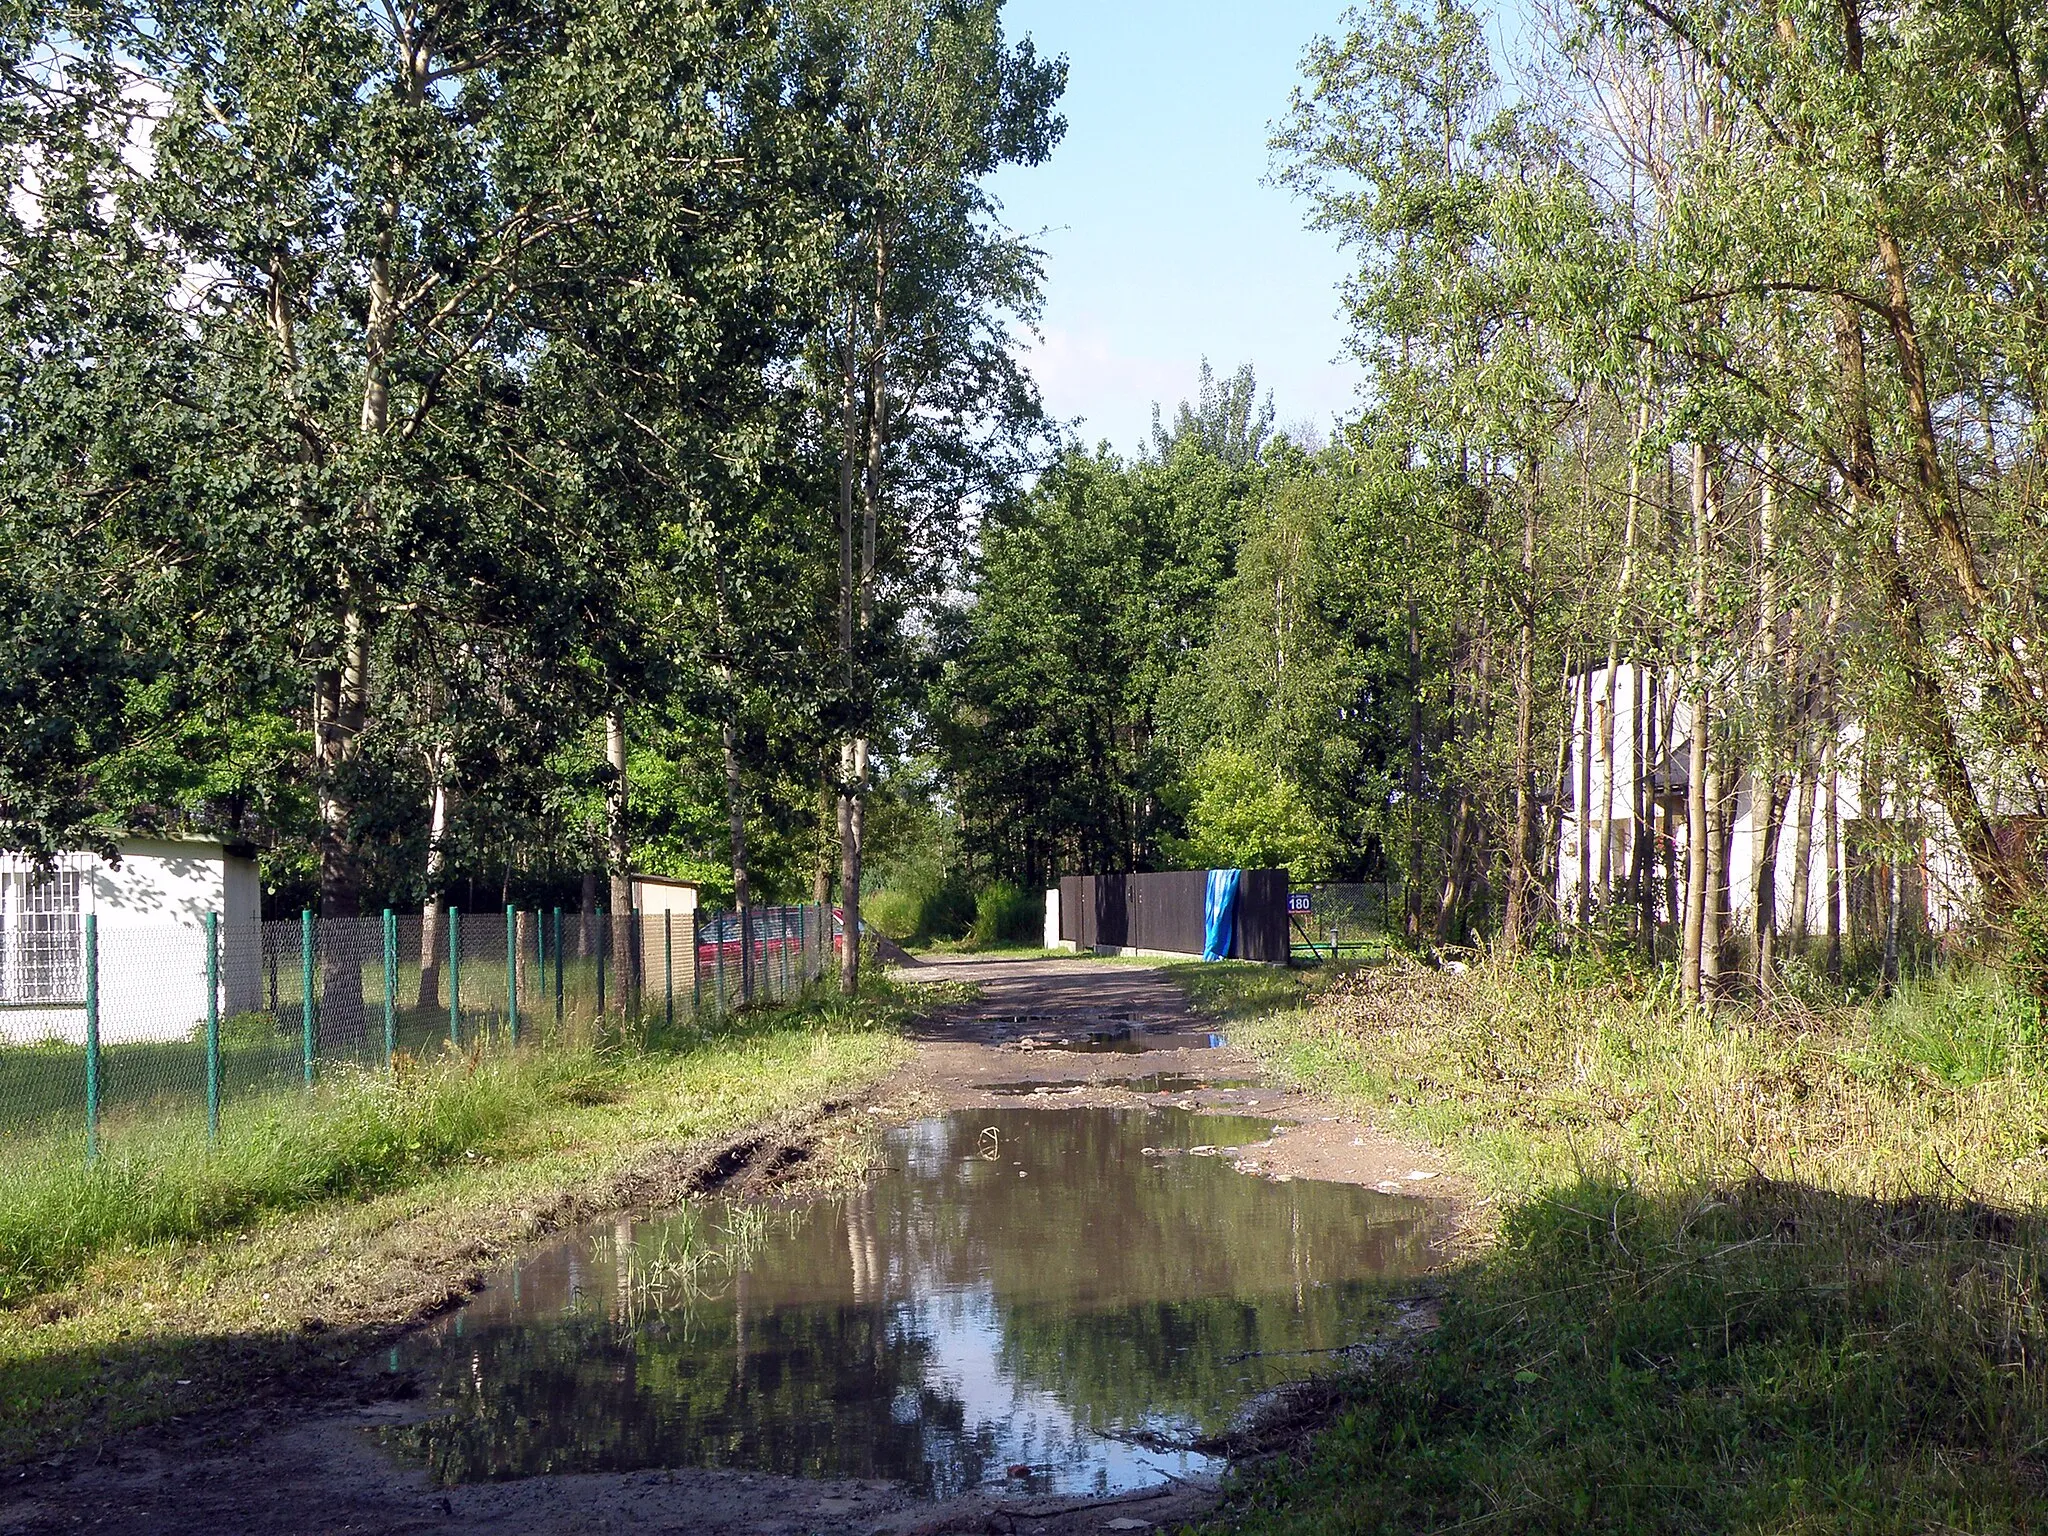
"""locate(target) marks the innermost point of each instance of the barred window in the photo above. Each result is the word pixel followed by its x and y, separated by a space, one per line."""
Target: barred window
pixel 41 948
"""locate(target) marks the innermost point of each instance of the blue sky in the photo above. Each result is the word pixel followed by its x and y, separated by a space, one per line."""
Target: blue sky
pixel 1162 244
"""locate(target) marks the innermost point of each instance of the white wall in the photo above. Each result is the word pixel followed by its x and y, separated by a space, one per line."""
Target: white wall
pixel 151 913
pixel 1052 921
pixel 658 896
pixel 1947 876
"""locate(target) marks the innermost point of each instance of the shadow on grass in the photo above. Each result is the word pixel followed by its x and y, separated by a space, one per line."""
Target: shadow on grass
pixel 1241 989
pixel 1766 1357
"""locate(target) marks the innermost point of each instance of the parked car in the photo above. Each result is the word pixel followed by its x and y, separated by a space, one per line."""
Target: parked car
pixel 774 929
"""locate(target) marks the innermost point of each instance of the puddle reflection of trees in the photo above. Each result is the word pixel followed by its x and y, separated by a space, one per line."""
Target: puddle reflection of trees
pixel 960 1315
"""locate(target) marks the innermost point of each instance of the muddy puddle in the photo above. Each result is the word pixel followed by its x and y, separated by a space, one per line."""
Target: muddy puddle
pixel 1150 1082
pixel 1027 1300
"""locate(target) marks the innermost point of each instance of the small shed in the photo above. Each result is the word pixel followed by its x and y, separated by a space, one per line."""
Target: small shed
pixel 656 894
pixel 151 910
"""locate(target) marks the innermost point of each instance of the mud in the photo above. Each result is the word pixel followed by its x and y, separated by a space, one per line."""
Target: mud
pixel 318 1460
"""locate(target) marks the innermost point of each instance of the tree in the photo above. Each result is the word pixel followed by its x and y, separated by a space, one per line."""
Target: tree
pixel 918 360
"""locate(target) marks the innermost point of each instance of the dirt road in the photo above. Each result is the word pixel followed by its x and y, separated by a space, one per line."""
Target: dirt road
pixel 1045 1033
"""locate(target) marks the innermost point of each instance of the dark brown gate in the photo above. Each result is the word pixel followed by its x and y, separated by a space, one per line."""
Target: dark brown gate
pixel 1167 912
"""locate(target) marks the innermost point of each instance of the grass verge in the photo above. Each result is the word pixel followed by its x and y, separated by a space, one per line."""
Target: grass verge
pixel 1742 1273
pixel 170 1277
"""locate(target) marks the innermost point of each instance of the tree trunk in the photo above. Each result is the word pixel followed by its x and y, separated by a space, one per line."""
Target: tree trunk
pixel 736 813
pixel 1818 687
pixel 1642 841
pixel 619 854
pixel 1585 817
pixel 828 839
pixel 1621 595
pixel 1712 931
pixel 1514 929
pixel 429 995
pixel 342 684
pixel 1692 962
pixel 1411 897
pixel 856 764
pixel 852 818
pixel 1833 957
pixel 1454 873
pixel 1802 853
pixel 1767 789
pixel 1933 728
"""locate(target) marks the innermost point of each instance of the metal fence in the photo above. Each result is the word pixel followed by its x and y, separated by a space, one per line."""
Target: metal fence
pixel 1342 920
pixel 147 1020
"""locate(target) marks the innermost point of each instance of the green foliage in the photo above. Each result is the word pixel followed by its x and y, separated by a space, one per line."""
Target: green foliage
pixel 1005 914
pixel 1963 1029
pixel 2026 946
pixel 1243 813
pixel 1092 597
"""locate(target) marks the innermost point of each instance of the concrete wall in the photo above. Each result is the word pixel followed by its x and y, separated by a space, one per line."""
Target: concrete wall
pixel 1052 922
pixel 151 913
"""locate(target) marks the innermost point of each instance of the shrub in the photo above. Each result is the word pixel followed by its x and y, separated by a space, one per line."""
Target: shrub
pixel 897 913
pixel 1004 913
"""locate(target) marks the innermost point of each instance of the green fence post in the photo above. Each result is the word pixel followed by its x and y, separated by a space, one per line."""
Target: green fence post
pixel 92 1036
pixel 603 933
pixel 668 965
pixel 455 978
pixel 558 967
pixel 512 971
pixel 390 987
pixel 212 1026
pixel 306 991
pixel 696 970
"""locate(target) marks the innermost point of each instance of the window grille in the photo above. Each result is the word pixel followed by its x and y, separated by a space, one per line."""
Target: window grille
pixel 41 944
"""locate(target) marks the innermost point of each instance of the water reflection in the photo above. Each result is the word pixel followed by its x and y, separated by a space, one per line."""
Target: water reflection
pixel 1019 1286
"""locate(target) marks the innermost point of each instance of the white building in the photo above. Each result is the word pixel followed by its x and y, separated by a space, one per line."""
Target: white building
pixel 151 912
pixel 1934 881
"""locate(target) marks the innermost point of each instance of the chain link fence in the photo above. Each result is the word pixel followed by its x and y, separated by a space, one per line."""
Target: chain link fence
pixel 1344 921
pixel 138 1022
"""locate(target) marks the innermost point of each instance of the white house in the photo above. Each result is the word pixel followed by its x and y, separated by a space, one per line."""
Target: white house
pixel 151 911
pixel 1934 882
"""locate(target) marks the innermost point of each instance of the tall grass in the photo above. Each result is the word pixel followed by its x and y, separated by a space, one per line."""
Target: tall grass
pixel 359 1133
pixel 1533 1073
pixel 1761 1273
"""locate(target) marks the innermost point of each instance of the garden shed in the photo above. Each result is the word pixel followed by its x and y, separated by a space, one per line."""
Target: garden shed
pixel 150 908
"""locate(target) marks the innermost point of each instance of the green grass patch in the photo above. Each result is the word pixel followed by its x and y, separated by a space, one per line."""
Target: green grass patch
pixel 1241 989
pixel 1761 1357
pixel 1777 1272
pixel 357 1133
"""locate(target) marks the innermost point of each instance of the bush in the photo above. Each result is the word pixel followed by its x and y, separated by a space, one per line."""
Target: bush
pixel 1005 914
pixel 897 913
pixel 918 901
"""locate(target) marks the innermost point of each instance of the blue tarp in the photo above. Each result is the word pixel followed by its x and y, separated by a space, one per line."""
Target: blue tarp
pixel 1220 908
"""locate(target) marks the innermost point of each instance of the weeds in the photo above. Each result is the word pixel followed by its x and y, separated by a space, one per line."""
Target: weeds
pixel 1746 1272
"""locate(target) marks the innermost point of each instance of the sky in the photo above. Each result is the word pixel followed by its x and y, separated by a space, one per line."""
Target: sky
pixel 1163 245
